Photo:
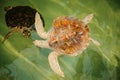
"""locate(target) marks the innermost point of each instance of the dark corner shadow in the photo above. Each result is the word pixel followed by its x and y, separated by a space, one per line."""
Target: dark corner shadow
pixel 5 74
pixel 115 4
pixel 118 67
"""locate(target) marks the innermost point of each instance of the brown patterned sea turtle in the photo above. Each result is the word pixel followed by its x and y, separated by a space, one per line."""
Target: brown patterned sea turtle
pixel 20 19
pixel 68 36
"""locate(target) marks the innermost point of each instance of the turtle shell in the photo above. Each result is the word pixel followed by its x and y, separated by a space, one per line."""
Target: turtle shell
pixel 20 19
pixel 68 35
pixel 20 16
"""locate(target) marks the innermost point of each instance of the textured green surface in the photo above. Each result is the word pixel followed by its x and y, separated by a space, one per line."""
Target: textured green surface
pixel 21 60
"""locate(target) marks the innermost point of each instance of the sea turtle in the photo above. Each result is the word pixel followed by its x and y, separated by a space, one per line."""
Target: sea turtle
pixel 20 19
pixel 68 36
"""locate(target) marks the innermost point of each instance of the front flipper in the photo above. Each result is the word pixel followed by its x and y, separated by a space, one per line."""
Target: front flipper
pixel 88 18
pixel 53 61
pixel 41 43
pixel 39 27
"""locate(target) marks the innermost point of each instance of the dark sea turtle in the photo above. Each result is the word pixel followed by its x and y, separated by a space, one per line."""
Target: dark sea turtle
pixel 20 19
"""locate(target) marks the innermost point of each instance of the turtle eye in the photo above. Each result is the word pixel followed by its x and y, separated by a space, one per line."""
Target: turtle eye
pixel 20 27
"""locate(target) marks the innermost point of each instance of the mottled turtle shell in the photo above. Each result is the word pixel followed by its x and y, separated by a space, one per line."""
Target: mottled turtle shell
pixel 68 35
pixel 20 16
pixel 20 19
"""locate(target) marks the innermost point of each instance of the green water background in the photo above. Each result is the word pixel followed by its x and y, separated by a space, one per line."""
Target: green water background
pixel 21 60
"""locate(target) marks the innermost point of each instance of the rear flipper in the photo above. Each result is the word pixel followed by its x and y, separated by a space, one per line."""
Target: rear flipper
pixel 9 34
pixel 95 42
pixel 53 61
